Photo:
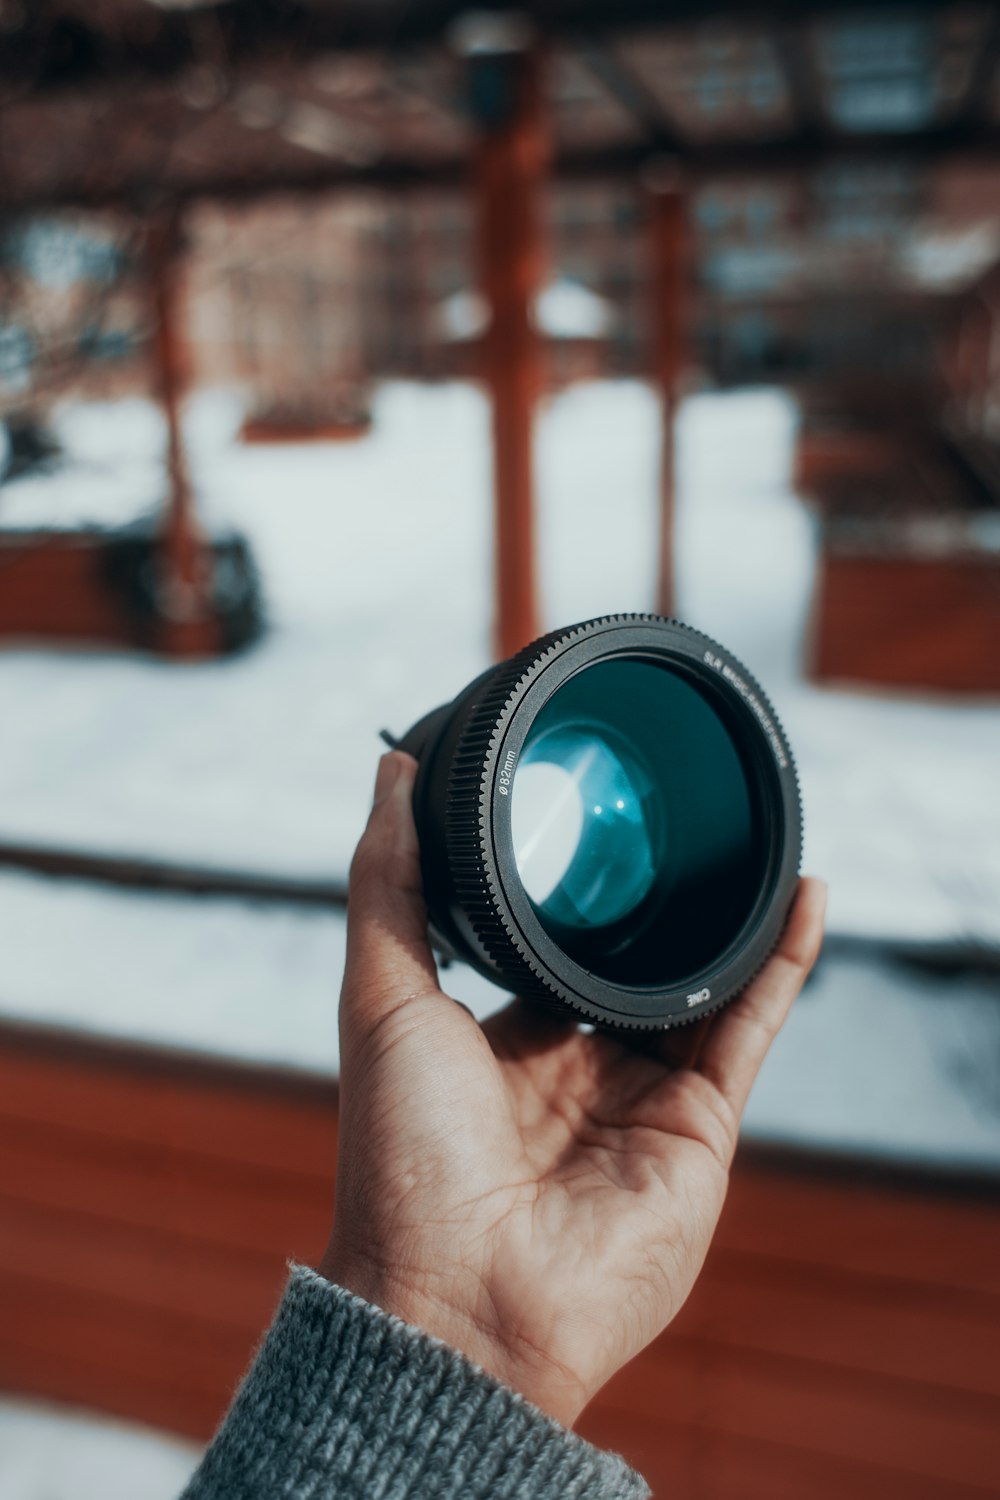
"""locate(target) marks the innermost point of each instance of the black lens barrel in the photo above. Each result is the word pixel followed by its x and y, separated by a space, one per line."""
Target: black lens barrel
pixel 663 784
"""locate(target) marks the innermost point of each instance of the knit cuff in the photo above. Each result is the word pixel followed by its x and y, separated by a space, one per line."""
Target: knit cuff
pixel 346 1401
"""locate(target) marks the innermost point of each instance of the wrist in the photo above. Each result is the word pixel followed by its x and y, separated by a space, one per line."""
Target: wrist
pixel 525 1370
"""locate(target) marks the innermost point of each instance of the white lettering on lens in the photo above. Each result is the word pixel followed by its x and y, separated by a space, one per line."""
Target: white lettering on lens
pixel 754 704
pixel 507 773
pixel 698 997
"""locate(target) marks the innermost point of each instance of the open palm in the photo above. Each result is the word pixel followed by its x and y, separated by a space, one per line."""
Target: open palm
pixel 539 1195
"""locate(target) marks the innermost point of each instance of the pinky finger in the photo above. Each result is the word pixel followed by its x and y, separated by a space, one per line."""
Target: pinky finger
pixel 739 1040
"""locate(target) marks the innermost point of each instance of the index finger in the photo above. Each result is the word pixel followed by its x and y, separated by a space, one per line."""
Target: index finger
pixel 740 1036
pixel 389 959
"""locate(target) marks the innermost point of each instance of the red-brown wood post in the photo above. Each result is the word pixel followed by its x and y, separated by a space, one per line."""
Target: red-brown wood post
pixel 188 627
pixel 668 257
pixel 510 173
pixel 977 350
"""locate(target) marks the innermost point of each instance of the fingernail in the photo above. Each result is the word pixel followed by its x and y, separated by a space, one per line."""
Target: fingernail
pixel 388 774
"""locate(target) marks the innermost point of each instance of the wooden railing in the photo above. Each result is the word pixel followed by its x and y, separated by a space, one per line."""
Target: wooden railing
pixel 842 1339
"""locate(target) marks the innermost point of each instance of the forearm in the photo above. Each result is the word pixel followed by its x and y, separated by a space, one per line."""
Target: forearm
pixel 344 1401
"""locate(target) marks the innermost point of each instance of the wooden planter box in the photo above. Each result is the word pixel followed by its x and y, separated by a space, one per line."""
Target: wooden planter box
pixel 908 621
pixel 98 588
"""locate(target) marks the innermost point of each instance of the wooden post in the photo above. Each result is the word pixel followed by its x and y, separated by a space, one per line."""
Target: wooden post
pixel 188 628
pixel 668 234
pixel 510 171
pixel 977 344
pixel 989 408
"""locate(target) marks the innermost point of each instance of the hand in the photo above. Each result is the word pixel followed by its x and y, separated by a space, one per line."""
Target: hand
pixel 539 1197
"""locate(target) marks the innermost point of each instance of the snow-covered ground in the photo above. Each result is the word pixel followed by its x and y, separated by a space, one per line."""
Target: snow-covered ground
pixel 876 1059
pixel 50 1452
pixel 375 559
pixel 376 564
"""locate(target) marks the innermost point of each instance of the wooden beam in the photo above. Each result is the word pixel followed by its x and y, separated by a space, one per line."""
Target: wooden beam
pixel 624 85
pixel 60 52
pixel 188 628
pixel 981 88
pixel 510 173
pixel 802 152
pixel 668 256
pixel 803 82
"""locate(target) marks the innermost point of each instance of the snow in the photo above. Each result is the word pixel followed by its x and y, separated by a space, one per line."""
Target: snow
pixel 377 573
pixel 376 563
pixel 568 310
pixel 564 309
pixel 253 980
pixel 50 1452
pixel 900 792
pixel 377 579
pixel 882 1060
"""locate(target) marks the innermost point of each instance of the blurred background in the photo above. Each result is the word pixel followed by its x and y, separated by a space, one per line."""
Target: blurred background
pixel 346 345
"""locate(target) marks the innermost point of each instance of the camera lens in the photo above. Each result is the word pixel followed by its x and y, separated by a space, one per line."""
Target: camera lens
pixel 609 822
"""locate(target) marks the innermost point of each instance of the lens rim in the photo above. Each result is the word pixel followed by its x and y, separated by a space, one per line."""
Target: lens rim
pixel 760 741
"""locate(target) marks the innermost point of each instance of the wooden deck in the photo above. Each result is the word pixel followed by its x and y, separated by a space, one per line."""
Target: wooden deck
pixel 842 1340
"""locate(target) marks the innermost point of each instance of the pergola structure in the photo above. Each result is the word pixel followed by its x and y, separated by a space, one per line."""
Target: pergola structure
pixel 147 106
pixel 843 1335
pixel 241 96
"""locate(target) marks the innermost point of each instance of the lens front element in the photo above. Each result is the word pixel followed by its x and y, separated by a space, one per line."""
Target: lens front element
pixel 633 824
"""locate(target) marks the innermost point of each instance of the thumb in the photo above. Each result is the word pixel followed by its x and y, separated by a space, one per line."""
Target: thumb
pixel 389 960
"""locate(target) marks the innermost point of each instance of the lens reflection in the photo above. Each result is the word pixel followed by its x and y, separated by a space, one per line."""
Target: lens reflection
pixel 634 827
pixel 582 842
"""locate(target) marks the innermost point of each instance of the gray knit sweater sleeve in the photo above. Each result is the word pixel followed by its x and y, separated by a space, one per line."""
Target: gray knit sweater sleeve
pixel 344 1402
